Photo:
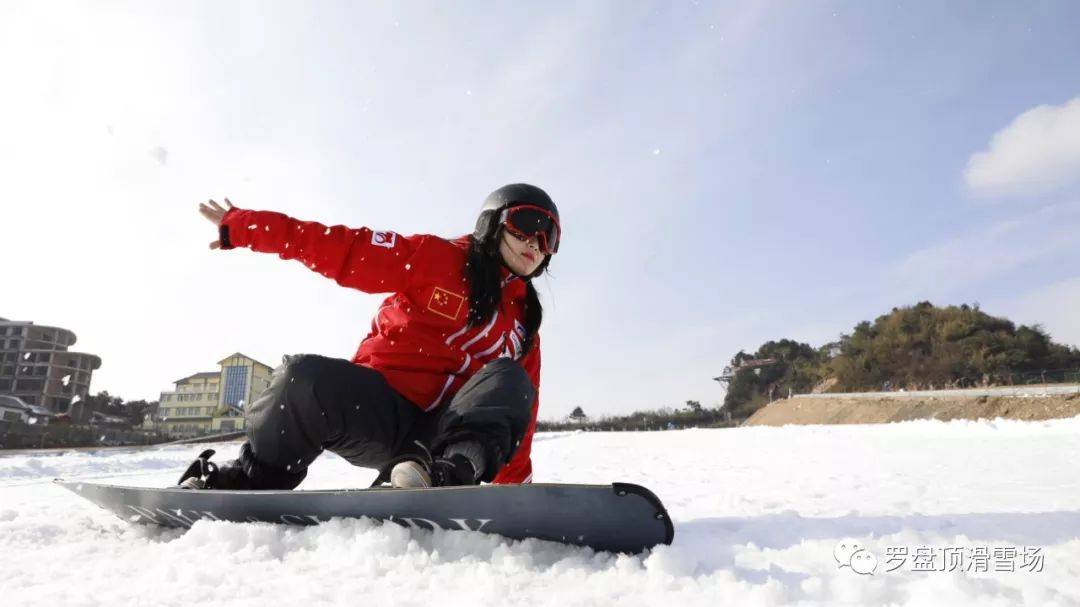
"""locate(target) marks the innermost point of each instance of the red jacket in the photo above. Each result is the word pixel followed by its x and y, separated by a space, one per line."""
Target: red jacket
pixel 419 339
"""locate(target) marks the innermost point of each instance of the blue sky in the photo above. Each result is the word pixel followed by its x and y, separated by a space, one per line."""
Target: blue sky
pixel 727 173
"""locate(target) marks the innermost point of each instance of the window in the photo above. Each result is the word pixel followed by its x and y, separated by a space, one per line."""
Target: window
pixel 34 385
pixel 235 384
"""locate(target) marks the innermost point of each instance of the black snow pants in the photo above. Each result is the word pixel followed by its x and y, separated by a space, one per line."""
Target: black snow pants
pixel 315 403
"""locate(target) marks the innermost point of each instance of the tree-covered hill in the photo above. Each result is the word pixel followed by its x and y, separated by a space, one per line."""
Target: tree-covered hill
pixel 913 347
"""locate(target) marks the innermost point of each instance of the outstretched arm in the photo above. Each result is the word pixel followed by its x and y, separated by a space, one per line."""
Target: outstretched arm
pixel 360 258
pixel 519 468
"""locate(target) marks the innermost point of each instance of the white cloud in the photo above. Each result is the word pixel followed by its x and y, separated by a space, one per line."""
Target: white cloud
pixel 1037 153
pixel 125 119
pixel 989 253
pixel 1054 307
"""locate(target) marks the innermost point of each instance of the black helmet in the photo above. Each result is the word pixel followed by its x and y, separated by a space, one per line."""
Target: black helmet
pixel 515 194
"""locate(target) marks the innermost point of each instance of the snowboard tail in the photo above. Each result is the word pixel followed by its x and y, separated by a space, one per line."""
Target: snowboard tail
pixel 620 517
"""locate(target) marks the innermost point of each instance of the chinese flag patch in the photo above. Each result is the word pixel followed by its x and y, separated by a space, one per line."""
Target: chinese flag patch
pixel 446 303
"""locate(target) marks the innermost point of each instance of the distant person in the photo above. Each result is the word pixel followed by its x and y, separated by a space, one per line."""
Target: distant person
pixel 443 389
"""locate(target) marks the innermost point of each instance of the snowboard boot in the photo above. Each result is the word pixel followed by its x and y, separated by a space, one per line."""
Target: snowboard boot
pixel 205 474
pixel 457 466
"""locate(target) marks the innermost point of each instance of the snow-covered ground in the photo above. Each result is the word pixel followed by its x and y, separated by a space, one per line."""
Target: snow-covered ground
pixel 760 516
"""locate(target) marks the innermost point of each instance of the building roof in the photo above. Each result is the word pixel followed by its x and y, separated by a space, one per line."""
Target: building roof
pixel 95 360
pixel 243 356
pixel 218 373
pixel 17 403
pixel 199 375
pixel 14 402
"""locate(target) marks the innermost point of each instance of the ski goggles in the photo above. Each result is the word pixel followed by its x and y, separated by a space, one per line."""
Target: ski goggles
pixel 527 221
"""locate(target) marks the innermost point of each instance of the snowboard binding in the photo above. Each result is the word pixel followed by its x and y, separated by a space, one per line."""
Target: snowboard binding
pixel 422 470
pixel 244 473
pixel 201 473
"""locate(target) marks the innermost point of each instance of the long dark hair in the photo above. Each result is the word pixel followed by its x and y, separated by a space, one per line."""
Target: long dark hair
pixel 485 290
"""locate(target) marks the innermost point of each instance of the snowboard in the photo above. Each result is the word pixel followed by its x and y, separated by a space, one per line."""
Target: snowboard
pixel 620 517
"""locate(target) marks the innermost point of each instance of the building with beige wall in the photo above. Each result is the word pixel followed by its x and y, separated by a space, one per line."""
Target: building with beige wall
pixel 36 366
pixel 212 401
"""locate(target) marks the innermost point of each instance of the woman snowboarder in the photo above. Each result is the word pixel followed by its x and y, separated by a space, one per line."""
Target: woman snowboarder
pixel 443 390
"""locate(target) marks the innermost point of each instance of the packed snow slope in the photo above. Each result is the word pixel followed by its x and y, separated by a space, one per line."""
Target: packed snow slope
pixel 760 515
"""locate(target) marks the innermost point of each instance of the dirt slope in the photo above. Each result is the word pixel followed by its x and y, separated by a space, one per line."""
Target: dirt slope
pixel 876 410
